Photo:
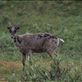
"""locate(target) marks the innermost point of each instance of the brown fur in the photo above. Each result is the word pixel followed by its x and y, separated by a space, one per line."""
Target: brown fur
pixel 34 43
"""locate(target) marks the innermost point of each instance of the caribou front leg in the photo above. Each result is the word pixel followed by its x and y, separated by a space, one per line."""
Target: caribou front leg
pixel 29 56
pixel 23 60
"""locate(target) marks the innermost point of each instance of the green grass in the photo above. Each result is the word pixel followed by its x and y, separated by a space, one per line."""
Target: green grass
pixel 61 18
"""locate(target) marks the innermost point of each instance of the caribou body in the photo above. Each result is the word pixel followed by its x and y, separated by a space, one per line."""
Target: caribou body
pixel 38 43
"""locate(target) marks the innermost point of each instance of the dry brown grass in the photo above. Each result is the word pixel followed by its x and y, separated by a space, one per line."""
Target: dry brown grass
pixel 2 79
pixel 11 65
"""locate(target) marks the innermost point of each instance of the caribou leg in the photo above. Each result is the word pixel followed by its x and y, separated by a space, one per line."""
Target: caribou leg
pixel 23 60
pixel 29 56
pixel 51 52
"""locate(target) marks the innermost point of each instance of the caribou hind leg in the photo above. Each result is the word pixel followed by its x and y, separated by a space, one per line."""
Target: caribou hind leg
pixel 51 52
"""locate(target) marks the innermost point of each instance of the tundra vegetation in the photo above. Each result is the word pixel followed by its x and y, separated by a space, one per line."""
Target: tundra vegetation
pixel 61 18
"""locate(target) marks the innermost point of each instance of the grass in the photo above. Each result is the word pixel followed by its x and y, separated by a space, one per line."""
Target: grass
pixel 12 70
pixel 63 19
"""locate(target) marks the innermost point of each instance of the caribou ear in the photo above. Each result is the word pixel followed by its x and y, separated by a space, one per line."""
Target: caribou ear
pixel 17 27
pixel 8 27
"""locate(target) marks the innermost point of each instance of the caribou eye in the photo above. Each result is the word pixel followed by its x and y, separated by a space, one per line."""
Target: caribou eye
pixel 15 31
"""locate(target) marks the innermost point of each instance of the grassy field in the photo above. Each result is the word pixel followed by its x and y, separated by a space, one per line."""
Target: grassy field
pixel 61 18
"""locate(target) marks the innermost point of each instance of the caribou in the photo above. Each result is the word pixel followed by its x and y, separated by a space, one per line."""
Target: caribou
pixel 34 43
